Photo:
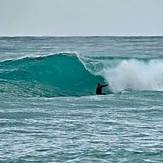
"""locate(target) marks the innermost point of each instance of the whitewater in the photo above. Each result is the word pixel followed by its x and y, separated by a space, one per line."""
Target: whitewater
pixel 49 111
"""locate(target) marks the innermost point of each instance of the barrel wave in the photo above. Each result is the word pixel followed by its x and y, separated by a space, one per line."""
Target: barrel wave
pixel 60 74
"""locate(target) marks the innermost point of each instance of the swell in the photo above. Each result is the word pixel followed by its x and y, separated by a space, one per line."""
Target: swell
pixel 62 74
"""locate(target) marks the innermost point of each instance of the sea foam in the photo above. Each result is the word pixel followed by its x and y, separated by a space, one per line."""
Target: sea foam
pixel 135 75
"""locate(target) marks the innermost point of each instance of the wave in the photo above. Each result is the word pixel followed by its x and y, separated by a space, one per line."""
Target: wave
pixel 68 74
pixel 62 74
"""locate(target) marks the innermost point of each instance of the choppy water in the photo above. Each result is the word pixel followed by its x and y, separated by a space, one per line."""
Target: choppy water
pixel 49 111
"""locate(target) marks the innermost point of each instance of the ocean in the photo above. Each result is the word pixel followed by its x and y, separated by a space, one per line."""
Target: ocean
pixel 49 112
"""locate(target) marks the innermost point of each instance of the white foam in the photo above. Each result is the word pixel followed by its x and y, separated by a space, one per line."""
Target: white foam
pixel 135 75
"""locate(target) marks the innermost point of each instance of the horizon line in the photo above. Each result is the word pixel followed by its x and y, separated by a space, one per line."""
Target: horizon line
pixel 81 35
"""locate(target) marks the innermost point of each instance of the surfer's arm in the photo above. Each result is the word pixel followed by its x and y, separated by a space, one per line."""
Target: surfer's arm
pixel 105 85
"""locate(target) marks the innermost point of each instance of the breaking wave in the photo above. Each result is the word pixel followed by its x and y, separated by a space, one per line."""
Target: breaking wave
pixel 68 74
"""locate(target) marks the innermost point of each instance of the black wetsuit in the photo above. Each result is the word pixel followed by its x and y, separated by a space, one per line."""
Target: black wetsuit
pixel 99 89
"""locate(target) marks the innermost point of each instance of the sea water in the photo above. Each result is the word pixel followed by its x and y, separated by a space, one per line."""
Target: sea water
pixel 49 111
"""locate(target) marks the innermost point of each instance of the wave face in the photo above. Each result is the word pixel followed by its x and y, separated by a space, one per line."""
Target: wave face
pixel 55 75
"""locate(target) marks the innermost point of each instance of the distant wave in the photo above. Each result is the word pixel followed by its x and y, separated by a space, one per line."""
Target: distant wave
pixel 68 74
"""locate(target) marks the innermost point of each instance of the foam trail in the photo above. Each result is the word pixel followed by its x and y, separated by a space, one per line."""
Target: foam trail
pixel 135 75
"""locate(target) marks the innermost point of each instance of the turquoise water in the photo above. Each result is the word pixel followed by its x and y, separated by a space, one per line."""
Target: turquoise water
pixel 49 111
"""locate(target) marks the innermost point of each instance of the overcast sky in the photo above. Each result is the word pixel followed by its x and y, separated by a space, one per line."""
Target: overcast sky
pixel 81 17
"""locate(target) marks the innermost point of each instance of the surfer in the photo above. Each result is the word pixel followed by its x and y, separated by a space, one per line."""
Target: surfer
pixel 99 89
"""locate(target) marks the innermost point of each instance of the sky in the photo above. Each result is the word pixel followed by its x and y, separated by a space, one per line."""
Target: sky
pixel 81 17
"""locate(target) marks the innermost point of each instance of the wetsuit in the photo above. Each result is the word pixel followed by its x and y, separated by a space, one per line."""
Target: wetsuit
pixel 99 89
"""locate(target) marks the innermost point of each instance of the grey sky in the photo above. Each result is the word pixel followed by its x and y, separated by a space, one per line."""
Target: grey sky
pixel 81 17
